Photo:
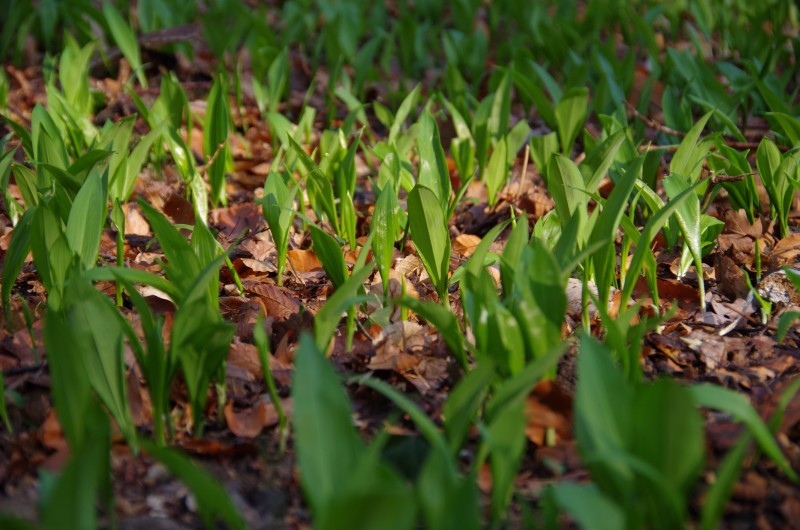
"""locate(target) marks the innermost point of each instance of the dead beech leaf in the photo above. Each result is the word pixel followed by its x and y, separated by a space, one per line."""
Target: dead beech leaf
pixel 351 256
pixel 785 252
pixel 670 289
pixel 135 223
pixel 260 246
pixel 548 407
pixel 256 265
pixel 426 374
pixel 408 266
pixel 736 223
pixel 392 340
pixel 465 244
pixel 179 209
pixel 304 261
pixel 51 434
pixel 141 408
pixel 250 421
pixel 731 281
pixel 710 349
pixel 245 356
pixel 278 302
pixel 234 220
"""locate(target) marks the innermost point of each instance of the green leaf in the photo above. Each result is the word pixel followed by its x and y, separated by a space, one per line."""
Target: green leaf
pixel 542 149
pixel 433 172
pixel 542 305
pixel 607 225
pixel 330 253
pixel 46 138
pixel 650 230
pixel 785 323
pixel 87 218
pixel 213 501
pixel 277 207
pixel 111 274
pixel 726 400
pixel 70 387
pixel 565 184
pixel 9 522
pixel 372 496
pixel 427 428
pixel 461 407
pixel 18 249
pixel 688 216
pixel 125 38
pixel 384 225
pixel 321 412
pixel 405 108
pixel 27 183
pixel 667 433
pixel 122 187
pixel 514 390
pixel 789 125
pixel 597 163
pixel 327 319
pixel 726 477
pixel 497 171
pixel 51 251
pixel 512 253
pixel 687 161
pixel 506 444
pixel 571 112
pixel 215 140
pixel 445 323
pixel 200 338
pixel 603 421
pixel 588 506
pixel 501 105
pixel 71 501
pixel 182 265
pixel 97 338
pixel 431 236
pixel 447 500
pixel 73 73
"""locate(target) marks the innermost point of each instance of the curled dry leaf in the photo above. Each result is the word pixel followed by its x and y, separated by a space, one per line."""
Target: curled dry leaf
pixel 731 281
pixel 237 219
pixel 304 261
pixel 245 357
pixel 250 421
pixel 141 407
pixel 736 223
pixel 548 407
pixel 785 252
pixel 135 223
pixel 260 246
pixel 428 374
pixel 465 244
pixel 278 302
pixel 396 338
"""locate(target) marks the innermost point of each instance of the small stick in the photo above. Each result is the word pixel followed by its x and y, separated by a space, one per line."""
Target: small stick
pixel 653 124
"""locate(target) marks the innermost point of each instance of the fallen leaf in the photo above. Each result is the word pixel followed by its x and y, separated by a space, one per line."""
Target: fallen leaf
pixel 731 281
pixel 135 223
pixel 785 252
pixel 278 301
pixel 465 244
pixel 304 261
pixel 250 421
pixel 238 219
pixel 736 223
pixel 548 407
